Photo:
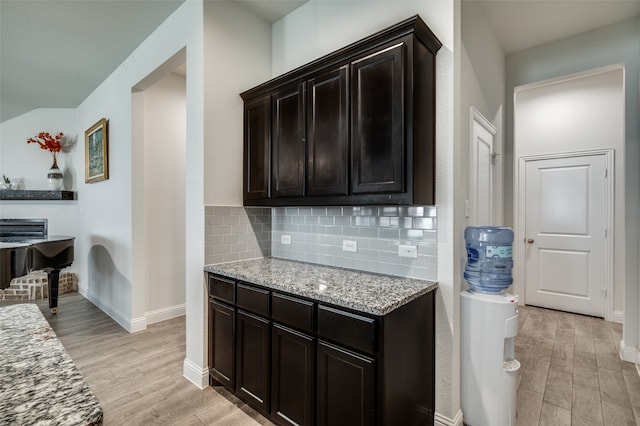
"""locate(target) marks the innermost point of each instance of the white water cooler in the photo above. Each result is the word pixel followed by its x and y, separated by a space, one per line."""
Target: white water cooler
pixel 489 325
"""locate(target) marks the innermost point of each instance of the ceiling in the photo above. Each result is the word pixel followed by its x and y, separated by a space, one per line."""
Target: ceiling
pixel 521 24
pixel 54 53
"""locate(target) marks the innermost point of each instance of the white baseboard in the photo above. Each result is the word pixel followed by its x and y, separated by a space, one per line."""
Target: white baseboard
pixel 196 375
pixel 116 315
pixel 162 314
pixel 165 313
pixel 138 324
pixel 629 353
pixel 618 317
pixel 133 325
pixel 441 420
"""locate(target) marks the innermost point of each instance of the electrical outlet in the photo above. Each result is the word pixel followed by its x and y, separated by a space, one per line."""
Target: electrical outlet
pixel 349 245
pixel 285 239
pixel 408 251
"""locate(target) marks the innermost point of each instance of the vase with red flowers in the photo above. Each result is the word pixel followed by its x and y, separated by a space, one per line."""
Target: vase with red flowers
pixel 52 144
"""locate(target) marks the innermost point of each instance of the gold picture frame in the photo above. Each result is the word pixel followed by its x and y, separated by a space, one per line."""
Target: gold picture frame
pixel 96 152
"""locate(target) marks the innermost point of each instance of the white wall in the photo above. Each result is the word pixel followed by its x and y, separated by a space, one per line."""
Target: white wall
pixel 237 57
pixel 164 196
pixel 483 87
pixel 105 251
pixel 614 44
pixel 30 164
pixel 579 113
pixel 320 27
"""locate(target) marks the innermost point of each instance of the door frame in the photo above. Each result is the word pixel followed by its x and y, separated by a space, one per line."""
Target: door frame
pixel 476 117
pixel 520 234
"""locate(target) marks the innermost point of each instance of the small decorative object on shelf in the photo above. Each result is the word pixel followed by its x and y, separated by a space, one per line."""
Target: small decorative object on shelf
pixel 55 176
pixel 9 183
pixel 52 144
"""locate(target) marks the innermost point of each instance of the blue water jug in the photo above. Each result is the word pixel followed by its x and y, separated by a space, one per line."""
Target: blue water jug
pixel 489 258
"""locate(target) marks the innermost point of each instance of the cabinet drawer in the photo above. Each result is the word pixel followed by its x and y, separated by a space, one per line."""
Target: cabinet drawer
pixel 293 312
pixel 221 289
pixel 253 299
pixel 348 329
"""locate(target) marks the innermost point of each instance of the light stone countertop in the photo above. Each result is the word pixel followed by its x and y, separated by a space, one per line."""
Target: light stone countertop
pixel 368 292
pixel 39 383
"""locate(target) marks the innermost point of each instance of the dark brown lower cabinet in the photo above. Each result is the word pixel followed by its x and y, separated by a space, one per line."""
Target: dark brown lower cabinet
pixel 303 362
pixel 292 375
pixel 222 343
pixel 345 387
pixel 253 356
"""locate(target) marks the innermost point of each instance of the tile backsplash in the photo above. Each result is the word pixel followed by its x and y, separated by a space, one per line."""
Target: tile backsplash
pixel 317 235
pixel 236 233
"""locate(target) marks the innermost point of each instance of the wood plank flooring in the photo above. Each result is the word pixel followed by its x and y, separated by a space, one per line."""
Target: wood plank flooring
pixel 138 377
pixel 571 373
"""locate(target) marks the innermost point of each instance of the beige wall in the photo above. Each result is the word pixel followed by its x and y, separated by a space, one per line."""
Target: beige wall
pixel 237 56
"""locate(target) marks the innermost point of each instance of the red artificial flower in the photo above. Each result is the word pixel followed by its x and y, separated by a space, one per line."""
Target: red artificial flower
pixel 48 142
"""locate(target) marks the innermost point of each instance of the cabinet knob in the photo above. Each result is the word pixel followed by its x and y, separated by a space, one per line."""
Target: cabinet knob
pixel 530 240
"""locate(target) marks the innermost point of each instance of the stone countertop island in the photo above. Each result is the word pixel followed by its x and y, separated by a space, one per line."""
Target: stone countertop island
pixel 368 292
pixel 39 383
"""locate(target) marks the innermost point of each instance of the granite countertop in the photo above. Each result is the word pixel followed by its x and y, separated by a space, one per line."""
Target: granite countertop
pixel 361 291
pixel 40 384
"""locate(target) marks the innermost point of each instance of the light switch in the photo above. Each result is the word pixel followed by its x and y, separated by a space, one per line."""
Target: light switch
pixel 285 239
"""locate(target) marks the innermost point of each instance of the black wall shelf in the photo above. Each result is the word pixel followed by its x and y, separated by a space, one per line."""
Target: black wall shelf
pixel 36 195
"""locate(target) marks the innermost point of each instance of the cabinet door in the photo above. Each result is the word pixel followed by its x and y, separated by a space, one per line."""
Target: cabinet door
pixel 345 387
pixel 257 148
pixel 292 374
pixel 253 360
pixel 222 344
pixel 328 135
pixel 377 133
pixel 288 141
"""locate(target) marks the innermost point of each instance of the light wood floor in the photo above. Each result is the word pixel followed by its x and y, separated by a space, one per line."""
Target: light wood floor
pixel 571 373
pixel 138 377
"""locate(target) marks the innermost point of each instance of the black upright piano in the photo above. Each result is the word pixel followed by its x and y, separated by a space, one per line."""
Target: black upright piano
pixel 25 246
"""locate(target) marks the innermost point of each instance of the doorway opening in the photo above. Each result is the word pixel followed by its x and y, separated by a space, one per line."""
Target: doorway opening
pixel 569 198
pixel 158 192
pixel 483 156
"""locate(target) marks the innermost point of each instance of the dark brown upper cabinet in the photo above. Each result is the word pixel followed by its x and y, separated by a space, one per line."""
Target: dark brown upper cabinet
pixel 257 149
pixel 377 130
pixel 354 127
pixel 328 130
pixel 288 141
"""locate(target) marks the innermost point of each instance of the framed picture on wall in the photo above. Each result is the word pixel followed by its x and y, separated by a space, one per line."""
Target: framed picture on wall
pixel 96 152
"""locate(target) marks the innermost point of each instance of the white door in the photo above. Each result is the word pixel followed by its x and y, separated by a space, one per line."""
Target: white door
pixel 482 163
pixel 565 222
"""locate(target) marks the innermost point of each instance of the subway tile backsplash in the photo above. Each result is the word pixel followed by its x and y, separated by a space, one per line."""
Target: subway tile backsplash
pixel 236 233
pixel 317 236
